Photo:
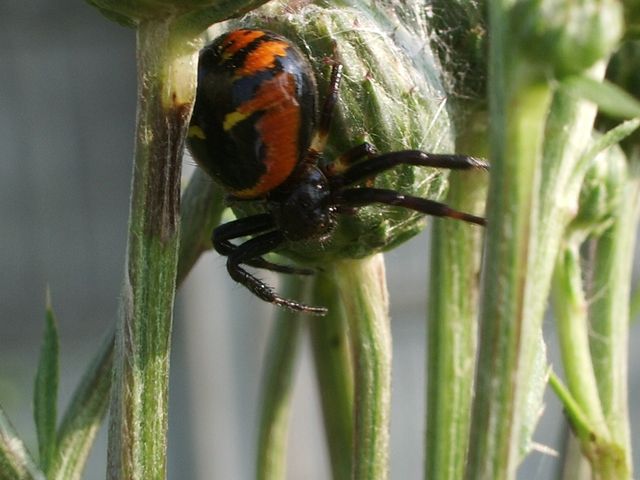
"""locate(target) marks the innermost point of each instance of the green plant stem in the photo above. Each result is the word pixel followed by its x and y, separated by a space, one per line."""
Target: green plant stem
pixel 452 324
pixel 277 388
pixel 139 405
pixel 508 337
pixel 570 309
pixel 575 465
pixel 201 209
pixel 362 287
pixel 334 369
pixel 609 314
pixel 533 192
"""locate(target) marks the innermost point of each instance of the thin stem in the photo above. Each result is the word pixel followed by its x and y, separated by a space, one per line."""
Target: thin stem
pixel 508 338
pixel 200 211
pixel 452 325
pixel 334 369
pixel 139 405
pixel 362 286
pixel 611 268
pixel 277 388
pixel 570 309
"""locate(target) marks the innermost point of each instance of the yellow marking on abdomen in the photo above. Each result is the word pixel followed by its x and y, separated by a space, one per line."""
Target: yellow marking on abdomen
pixel 232 119
pixel 197 132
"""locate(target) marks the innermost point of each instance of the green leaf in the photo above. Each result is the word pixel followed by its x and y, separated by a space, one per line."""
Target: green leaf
pixel 611 138
pixel 84 416
pixel 15 461
pixel 46 391
pixel 610 98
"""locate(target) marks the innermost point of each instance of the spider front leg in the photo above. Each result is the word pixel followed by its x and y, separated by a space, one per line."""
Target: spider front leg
pixel 381 163
pixel 243 227
pixel 360 197
pixel 252 249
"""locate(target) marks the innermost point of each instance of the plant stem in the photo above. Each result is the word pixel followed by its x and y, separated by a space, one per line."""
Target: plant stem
pixel 139 405
pixel 508 337
pixel 362 287
pixel 200 211
pixel 452 325
pixel 611 268
pixel 570 309
pixel 334 369
pixel 278 387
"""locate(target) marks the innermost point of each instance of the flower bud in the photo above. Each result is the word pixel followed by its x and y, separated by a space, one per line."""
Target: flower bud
pixel 568 37
pixel 601 191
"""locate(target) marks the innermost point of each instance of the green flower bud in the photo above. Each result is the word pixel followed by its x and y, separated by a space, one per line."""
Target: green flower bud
pixel 387 97
pixel 568 37
pixel 601 192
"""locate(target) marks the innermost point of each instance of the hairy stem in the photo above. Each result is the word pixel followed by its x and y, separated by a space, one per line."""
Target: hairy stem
pixel 139 405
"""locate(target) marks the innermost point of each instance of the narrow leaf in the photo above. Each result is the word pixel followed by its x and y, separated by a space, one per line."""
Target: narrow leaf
pixel 84 416
pixel 610 138
pixel 46 391
pixel 15 461
pixel 610 98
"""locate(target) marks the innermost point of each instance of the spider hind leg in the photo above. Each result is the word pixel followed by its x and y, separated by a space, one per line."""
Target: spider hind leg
pixel 255 248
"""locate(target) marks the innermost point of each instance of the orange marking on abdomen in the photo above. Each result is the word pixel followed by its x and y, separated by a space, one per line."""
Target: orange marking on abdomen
pixel 279 128
pixel 263 57
pixel 239 39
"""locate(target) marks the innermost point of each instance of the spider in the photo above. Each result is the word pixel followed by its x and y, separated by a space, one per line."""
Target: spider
pixel 256 131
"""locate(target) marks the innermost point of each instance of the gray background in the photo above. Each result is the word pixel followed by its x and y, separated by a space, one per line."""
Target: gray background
pixel 67 98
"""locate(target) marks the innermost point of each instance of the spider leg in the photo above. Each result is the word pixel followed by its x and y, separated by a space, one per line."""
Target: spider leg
pixel 381 163
pixel 324 125
pixel 243 227
pixel 255 248
pixel 360 152
pixel 359 197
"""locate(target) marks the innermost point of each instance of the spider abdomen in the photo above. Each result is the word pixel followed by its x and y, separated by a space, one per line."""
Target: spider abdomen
pixel 255 111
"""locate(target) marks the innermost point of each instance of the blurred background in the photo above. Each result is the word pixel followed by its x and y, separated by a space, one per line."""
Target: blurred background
pixel 67 101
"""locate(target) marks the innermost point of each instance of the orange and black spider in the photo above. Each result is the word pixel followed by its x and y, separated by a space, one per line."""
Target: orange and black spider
pixel 255 130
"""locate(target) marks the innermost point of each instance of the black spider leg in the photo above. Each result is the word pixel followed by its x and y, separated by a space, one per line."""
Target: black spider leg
pixel 243 227
pixel 386 161
pixel 354 154
pixel 355 197
pixel 255 248
pixel 359 197
pixel 326 115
